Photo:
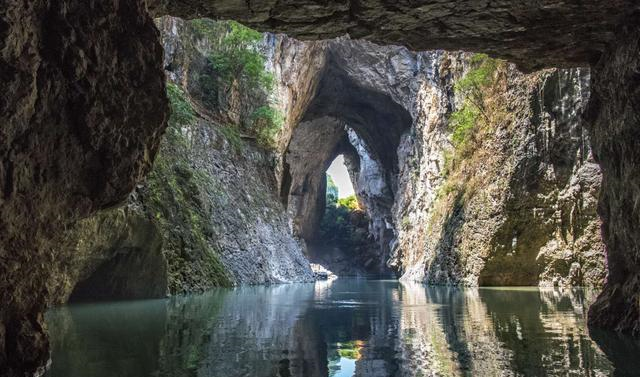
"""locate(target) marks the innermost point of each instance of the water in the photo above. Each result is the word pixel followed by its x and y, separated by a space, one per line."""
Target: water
pixel 343 328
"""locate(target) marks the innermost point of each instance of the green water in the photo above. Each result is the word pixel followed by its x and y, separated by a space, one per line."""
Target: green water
pixel 343 328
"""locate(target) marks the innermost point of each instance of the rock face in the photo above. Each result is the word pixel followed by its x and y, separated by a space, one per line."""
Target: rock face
pixel 361 108
pixel 613 116
pixel 68 145
pixel 520 209
pixel 119 252
pixel 534 35
pixel 84 110
pixel 210 199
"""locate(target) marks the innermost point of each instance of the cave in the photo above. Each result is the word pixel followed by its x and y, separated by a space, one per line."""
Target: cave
pixel 84 109
pixel 365 126
pixel 344 242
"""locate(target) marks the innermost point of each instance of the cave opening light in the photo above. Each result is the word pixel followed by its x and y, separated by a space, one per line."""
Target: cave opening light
pixel 339 175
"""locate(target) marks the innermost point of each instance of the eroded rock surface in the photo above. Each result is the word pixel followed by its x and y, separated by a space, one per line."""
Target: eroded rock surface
pixel 520 208
pixel 614 125
pixel 532 34
pixel 210 197
pixel 82 111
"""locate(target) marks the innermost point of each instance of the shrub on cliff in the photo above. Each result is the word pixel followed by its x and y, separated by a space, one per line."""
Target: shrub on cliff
pixel 181 111
pixel 238 65
pixel 477 110
pixel 266 122
pixel 238 57
pixel 473 87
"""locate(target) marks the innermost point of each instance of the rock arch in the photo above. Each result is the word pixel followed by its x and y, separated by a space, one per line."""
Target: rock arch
pixel 346 115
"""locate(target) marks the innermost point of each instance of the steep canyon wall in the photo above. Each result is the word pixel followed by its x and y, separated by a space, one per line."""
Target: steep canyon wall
pixel 518 209
pixel 515 204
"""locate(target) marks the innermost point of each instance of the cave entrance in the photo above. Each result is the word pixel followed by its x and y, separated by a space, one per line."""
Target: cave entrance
pixel 343 244
pixel 365 124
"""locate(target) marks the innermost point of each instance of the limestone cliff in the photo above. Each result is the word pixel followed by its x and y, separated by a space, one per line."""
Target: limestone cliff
pixel 84 109
pixel 210 203
pixel 518 207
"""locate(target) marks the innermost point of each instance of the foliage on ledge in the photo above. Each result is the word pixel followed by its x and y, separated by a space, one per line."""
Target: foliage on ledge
pixel 237 67
pixel 481 112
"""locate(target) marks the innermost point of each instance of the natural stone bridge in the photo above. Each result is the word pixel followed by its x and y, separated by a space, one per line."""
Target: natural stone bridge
pixel 83 109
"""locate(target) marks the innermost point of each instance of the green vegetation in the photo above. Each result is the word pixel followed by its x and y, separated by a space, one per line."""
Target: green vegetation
pixel 181 111
pixel 474 113
pixel 209 29
pixel 341 218
pixel 479 77
pixel 332 192
pixel 232 134
pixel 349 350
pixel 237 57
pixel 473 86
pixel 266 122
pixel 350 203
pixel 172 195
pixel 237 64
pixel 480 113
pixel 463 123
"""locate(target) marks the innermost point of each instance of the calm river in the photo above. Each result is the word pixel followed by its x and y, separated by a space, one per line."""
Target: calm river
pixel 344 328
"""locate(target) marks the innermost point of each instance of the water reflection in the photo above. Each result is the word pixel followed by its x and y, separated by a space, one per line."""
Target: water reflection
pixel 343 328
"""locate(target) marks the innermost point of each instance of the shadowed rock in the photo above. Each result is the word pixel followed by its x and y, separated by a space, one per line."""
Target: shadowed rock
pixel 532 34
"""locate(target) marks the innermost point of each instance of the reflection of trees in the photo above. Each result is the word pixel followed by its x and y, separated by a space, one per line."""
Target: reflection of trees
pixel 256 333
pixel 495 332
pixel 252 331
pixel 191 321
pixel 446 332
pixel 544 331
pixel 297 330
pixel 358 312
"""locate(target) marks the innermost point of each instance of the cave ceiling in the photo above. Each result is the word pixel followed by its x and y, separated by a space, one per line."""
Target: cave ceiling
pixel 532 34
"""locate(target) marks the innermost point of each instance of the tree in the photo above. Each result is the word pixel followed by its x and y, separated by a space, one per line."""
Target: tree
pixel 238 57
pixel 332 192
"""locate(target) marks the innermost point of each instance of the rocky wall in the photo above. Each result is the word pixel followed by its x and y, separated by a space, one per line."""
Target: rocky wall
pixel 532 34
pixel 211 197
pixel 82 112
pixel 614 128
pixel 520 208
pixel 84 109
